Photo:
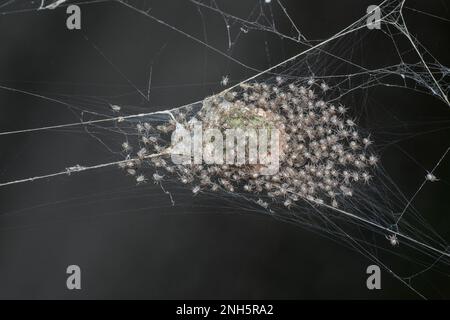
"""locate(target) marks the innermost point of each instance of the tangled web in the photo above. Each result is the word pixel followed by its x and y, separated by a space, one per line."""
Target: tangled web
pixel 321 152
pixel 331 177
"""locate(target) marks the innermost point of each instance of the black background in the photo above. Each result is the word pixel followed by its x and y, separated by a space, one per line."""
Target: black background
pixel 129 241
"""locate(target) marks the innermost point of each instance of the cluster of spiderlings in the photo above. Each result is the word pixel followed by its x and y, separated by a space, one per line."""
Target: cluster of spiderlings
pixel 323 156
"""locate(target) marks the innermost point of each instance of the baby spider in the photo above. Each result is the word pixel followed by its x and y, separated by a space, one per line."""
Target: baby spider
pixel 126 146
pixel 367 142
pixel 196 189
pixel 141 179
pixel 431 177
pixel 140 128
pixel 142 153
pixel 279 80
pixel 122 165
pixel 324 86
pixel 115 108
pixel 224 81
pixel 393 239
pixel 244 30
pixel 342 109
pixel 262 203
pixel 373 160
pixel 366 177
pixel 131 172
pixel 145 140
pixel 350 123
pixel 157 177
pixel 287 203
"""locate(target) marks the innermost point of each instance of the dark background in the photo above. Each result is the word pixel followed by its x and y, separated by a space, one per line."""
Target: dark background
pixel 129 241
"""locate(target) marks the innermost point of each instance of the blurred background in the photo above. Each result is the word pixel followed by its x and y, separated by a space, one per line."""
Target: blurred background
pixel 129 241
